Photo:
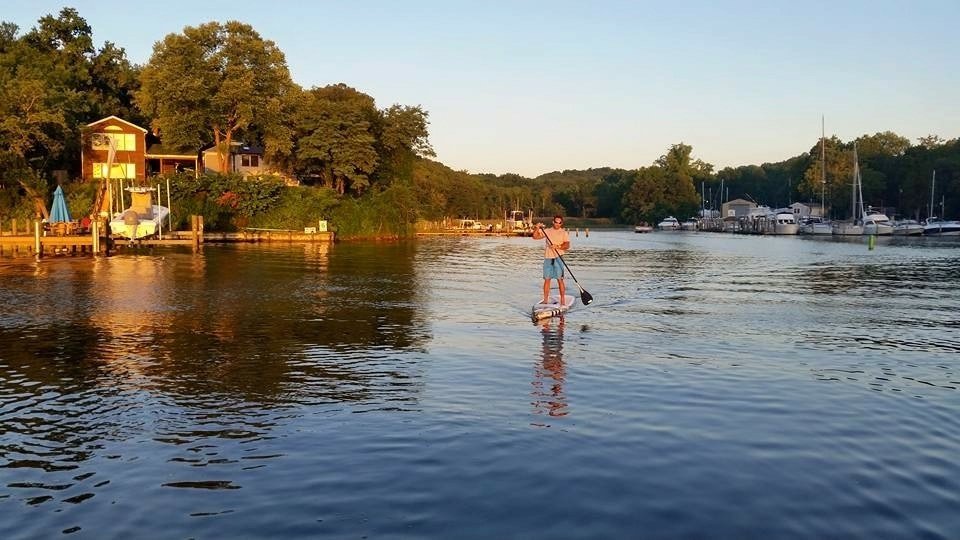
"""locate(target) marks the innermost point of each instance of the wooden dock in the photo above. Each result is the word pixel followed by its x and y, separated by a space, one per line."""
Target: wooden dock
pixel 31 240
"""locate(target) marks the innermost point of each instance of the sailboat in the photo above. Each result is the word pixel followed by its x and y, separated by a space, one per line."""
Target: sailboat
pixel 936 226
pixel 853 226
pixel 819 224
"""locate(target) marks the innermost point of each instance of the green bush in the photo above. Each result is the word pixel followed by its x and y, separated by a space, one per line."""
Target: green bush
pixel 391 213
pixel 297 207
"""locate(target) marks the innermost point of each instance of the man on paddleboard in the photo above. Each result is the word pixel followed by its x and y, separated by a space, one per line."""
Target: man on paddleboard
pixel 557 243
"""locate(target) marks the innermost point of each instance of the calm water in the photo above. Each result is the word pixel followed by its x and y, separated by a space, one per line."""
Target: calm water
pixel 719 386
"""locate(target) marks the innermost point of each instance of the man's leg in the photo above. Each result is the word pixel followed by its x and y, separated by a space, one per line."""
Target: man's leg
pixel 546 290
pixel 563 290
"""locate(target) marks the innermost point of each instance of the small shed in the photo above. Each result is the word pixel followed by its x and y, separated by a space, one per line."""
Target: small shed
pixel 737 208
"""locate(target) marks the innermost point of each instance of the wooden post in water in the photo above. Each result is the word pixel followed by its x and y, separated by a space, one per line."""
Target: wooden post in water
pixel 36 239
pixel 196 231
pixel 95 236
pixel 193 231
pixel 587 232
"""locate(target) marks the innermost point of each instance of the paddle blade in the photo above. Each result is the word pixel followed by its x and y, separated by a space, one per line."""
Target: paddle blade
pixel 585 297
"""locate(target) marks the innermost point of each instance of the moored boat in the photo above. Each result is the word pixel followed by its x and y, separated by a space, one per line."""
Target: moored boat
pixel 785 223
pixel 877 223
pixel 815 225
pixel 142 219
pixel 907 227
pixel 941 227
pixel 669 223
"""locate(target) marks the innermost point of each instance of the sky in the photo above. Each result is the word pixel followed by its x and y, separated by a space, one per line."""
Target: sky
pixel 531 87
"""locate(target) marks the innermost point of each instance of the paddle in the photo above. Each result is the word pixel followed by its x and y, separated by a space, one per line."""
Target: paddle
pixel 585 297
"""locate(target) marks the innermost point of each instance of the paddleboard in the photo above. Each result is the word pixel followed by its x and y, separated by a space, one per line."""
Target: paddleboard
pixel 553 309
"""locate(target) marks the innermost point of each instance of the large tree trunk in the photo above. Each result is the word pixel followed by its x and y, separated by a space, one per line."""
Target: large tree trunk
pixel 221 141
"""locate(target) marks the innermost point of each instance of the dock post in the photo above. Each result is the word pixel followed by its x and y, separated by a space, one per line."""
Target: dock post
pixel 95 234
pixel 587 232
pixel 36 239
pixel 196 231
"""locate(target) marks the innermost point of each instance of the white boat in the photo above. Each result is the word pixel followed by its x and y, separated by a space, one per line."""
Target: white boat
pixel 785 223
pixel 941 227
pixel 934 225
pixel 689 225
pixel 643 228
pixel 877 223
pixel 516 221
pixel 848 228
pixel 907 227
pixel 142 219
pixel 815 225
pixel 669 223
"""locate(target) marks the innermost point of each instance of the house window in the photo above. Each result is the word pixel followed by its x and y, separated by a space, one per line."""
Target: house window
pixel 249 160
pixel 119 170
pixel 123 141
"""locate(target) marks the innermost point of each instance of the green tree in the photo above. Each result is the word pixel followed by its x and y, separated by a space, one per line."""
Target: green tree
pixel 931 141
pixel 86 84
pixel 402 136
pixel 837 173
pixel 334 139
pixel 885 144
pixel 214 81
pixel 646 199
pixel 680 170
pixel 666 188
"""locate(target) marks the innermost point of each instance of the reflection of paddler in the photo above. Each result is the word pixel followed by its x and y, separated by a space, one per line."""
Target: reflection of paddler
pixel 549 374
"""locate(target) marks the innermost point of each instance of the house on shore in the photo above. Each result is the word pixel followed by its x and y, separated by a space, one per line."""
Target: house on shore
pixel 244 159
pixel 137 154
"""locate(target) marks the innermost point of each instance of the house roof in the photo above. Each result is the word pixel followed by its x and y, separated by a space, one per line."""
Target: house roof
pixel 247 149
pixel 118 119
pixel 740 201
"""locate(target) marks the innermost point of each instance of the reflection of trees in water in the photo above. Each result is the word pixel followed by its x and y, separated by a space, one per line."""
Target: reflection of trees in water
pixel 549 374
pixel 262 324
pixel 246 325
pixel 196 351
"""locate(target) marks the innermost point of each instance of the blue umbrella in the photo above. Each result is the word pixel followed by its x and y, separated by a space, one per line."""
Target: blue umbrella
pixel 59 211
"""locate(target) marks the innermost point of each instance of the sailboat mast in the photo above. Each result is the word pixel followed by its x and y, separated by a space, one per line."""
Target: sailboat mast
pixel 823 169
pixel 933 185
pixel 853 186
pixel 863 214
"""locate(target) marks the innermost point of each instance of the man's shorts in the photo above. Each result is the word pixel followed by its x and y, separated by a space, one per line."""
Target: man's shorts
pixel 552 269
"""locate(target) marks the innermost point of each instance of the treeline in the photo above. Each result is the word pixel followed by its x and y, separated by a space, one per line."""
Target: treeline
pixel 367 167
